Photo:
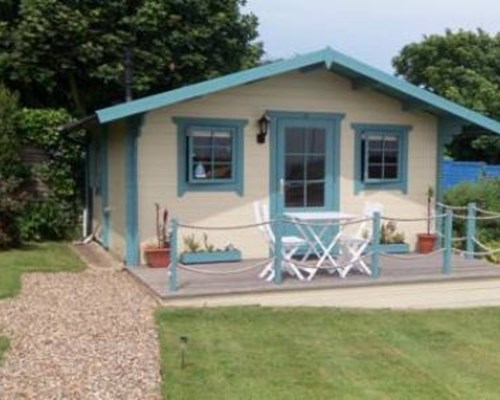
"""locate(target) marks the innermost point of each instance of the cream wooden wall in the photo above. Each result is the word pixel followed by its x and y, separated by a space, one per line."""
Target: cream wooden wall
pixel 318 91
pixel 116 186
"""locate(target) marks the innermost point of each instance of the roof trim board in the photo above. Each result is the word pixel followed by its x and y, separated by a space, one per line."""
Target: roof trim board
pixel 333 60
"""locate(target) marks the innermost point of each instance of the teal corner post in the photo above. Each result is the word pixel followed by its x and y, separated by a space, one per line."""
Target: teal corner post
pixel 376 245
pixel 104 161
pixel 131 191
pixel 448 243
pixel 471 229
pixel 278 250
pixel 172 273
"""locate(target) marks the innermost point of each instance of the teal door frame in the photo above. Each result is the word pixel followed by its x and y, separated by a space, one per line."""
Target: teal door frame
pixel 331 122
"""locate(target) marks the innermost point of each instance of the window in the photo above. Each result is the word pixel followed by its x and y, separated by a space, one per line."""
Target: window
pixel 210 155
pixel 381 156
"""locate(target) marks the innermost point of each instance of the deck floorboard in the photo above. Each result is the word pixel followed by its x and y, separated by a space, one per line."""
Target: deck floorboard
pixel 409 269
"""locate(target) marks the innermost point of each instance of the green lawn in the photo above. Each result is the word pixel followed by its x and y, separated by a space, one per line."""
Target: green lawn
pixel 263 353
pixel 46 257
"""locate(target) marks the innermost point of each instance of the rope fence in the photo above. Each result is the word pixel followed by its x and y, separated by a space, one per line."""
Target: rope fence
pixel 446 243
pixel 230 272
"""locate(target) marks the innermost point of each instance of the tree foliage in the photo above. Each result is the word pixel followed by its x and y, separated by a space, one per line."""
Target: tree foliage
pixel 71 53
pixel 464 67
pixel 53 214
pixel 12 174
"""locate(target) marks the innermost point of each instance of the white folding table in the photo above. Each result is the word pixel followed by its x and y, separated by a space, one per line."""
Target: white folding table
pixel 306 221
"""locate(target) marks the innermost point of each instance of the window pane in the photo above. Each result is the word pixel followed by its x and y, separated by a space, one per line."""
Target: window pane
pixel 294 140
pixel 222 171
pixel 391 143
pixel 375 172
pixel 201 138
pixel 315 140
pixel 390 157
pixel 375 143
pixel 202 171
pixel 222 138
pixel 375 156
pixel 294 167
pixel 294 194
pixel 315 167
pixel 390 171
pixel 316 194
pixel 222 153
pixel 202 154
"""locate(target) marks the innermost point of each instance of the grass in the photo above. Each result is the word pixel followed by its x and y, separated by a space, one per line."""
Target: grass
pixel 264 353
pixel 46 257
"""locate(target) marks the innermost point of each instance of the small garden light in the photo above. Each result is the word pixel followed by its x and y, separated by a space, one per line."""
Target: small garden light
pixel 184 343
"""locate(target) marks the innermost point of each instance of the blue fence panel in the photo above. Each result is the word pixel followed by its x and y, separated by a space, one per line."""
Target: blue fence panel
pixel 455 172
pixel 492 171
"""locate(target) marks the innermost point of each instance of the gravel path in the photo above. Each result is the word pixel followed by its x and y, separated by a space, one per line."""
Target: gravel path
pixel 87 335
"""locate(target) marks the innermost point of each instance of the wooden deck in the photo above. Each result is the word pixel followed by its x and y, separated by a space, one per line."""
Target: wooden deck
pixel 393 271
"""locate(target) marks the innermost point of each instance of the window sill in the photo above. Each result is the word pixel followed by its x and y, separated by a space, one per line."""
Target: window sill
pixel 366 186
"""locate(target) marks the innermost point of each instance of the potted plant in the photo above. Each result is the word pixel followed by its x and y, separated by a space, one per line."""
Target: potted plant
pixel 204 253
pixel 426 242
pixel 157 254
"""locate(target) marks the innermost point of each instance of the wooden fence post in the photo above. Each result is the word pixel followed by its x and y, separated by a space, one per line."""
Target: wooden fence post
pixel 471 230
pixel 448 243
pixel 172 271
pixel 376 245
pixel 278 249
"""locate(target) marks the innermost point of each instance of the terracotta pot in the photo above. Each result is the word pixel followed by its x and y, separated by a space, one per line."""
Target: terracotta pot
pixel 426 243
pixel 157 257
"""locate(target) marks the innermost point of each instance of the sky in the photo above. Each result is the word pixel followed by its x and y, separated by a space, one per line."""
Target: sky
pixel 373 31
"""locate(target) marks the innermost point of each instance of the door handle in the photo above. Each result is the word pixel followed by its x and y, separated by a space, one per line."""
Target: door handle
pixel 282 186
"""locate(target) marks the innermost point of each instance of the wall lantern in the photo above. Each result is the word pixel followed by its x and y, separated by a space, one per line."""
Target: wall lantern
pixel 263 128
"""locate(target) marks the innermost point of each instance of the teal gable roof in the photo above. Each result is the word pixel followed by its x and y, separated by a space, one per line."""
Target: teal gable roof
pixel 330 59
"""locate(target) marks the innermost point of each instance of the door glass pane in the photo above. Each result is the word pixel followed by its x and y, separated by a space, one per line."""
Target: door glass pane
pixel 315 140
pixel 294 194
pixel 294 167
pixel 316 194
pixel 305 167
pixel 294 142
pixel 315 167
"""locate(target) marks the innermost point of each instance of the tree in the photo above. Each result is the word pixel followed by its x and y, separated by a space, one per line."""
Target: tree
pixel 12 174
pixel 463 67
pixel 71 54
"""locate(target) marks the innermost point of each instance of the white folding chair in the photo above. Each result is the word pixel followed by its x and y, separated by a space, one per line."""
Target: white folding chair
pixel 290 245
pixel 352 247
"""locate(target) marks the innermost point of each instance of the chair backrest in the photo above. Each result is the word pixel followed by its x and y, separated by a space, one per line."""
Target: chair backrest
pixel 370 209
pixel 365 228
pixel 262 215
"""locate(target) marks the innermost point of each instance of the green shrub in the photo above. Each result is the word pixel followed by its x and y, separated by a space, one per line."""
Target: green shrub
pixel 53 215
pixel 46 220
pixel 486 195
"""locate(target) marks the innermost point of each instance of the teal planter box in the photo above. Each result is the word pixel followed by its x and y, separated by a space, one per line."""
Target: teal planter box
pixel 397 248
pixel 208 257
pixel 394 248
